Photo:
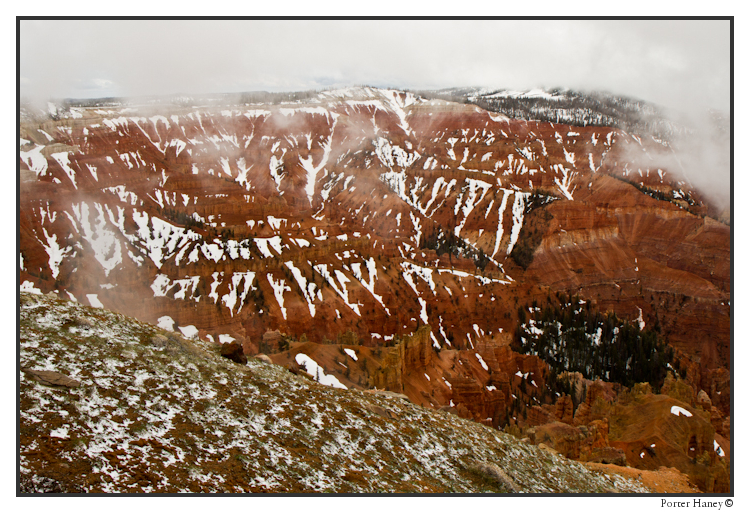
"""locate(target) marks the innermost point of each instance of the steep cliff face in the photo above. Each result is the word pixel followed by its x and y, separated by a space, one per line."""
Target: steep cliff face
pixel 658 431
pixel 372 213
pixel 643 258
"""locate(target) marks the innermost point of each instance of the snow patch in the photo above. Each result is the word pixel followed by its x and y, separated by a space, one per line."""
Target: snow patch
pixel 28 286
pixel 189 331
pixel 94 301
pixel 317 372
pixel 166 323
pixel 279 287
pixel 676 410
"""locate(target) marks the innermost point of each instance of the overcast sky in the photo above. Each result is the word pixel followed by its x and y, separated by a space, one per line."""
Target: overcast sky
pixel 680 64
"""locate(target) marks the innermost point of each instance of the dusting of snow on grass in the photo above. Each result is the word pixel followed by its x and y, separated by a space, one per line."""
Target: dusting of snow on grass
pixel 59 433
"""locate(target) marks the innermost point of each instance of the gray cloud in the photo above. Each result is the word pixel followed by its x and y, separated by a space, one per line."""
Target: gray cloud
pixel 682 65
pixel 674 63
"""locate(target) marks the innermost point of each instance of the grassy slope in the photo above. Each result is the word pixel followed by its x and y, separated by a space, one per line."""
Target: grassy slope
pixel 167 414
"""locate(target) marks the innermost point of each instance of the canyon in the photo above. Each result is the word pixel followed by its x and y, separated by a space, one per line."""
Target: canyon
pixel 380 239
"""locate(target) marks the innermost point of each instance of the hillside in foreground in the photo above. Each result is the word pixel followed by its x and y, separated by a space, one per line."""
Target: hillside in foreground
pixel 109 404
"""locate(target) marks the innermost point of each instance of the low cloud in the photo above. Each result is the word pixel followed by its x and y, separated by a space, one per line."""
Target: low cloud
pixel 683 65
pixel 668 62
pixel 698 155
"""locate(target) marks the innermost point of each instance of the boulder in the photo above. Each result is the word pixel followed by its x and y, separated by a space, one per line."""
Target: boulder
pixel 388 393
pixel 263 358
pixel 158 340
pixel 52 378
pixel 703 400
pixel 297 370
pixel 378 410
pixel 496 474
pixel 233 351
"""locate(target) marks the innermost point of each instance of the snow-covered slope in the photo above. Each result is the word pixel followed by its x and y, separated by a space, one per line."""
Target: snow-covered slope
pixel 146 411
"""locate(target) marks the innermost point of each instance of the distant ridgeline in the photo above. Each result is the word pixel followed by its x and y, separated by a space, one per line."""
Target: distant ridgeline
pixel 569 107
pixel 570 335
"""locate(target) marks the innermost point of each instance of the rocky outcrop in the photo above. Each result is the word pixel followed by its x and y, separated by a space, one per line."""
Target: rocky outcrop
pixel 233 351
pixel 412 354
pixel 564 409
pixel 270 343
pixel 703 400
pixel 498 475
pixel 584 443
pixel 263 358
pixel 563 438
pixel 52 378
pixel 658 430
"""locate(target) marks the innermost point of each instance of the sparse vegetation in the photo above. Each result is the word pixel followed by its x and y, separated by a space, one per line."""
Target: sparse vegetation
pixel 147 420
pixel 445 242
pixel 572 108
pixel 536 221
pixel 574 337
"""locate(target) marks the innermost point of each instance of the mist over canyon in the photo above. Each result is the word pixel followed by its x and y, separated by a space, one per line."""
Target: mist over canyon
pixel 548 263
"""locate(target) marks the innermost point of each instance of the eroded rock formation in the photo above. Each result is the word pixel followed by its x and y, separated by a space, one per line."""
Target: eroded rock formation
pixel 343 226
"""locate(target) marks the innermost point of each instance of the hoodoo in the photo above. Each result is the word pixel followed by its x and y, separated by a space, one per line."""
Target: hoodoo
pixel 518 273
